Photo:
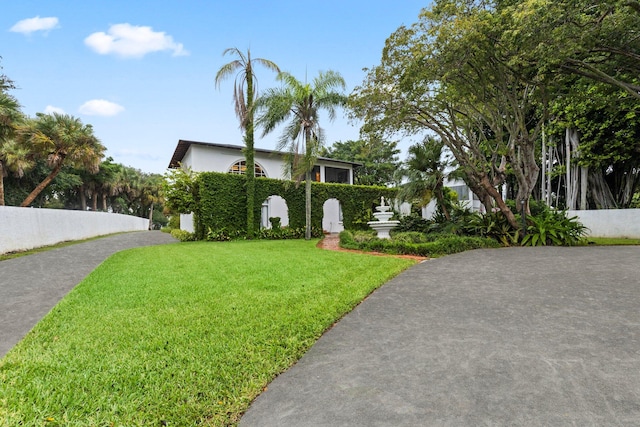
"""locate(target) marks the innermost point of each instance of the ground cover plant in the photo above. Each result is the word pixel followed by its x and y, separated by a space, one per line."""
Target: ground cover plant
pixel 184 334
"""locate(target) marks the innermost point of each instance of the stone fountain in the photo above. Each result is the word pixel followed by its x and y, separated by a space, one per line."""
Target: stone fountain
pixel 382 225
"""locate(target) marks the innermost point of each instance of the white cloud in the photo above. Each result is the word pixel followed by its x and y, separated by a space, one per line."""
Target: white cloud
pixel 28 26
pixel 127 40
pixel 50 109
pixel 100 107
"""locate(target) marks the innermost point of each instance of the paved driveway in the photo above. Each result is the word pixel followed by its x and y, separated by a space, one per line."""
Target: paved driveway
pixel 506 337
pixel 31 285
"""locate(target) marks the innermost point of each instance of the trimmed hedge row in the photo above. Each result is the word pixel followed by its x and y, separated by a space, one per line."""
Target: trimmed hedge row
pixel 221 200
pixel 399 245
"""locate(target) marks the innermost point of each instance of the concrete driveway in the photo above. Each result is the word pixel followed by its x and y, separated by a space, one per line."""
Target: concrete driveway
pixel 505 337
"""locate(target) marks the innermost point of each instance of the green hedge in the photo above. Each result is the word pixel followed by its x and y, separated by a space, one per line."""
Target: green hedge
pixel 410 245
pixel 221 201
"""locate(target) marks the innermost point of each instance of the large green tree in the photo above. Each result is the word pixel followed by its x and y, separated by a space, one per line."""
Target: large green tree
pixel 457 74
pixel 378 159
pixel 244 96
pixel 62 140
pixel 300 104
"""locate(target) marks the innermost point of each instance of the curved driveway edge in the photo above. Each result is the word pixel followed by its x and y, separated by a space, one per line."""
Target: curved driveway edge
pixel 31 285
pixel 519 336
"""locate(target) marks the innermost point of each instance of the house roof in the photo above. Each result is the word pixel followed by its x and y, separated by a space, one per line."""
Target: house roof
pixel 183 146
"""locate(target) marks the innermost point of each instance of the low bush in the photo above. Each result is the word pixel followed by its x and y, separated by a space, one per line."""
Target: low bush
pixel 413 222
pixel 286 233
pixel 554 228
pixel 412 244
pixel 183 235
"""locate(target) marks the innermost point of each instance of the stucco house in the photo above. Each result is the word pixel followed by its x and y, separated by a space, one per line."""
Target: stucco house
pixel 209 157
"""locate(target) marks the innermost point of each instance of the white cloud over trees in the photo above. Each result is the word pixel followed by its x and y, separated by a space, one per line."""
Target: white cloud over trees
pixel 130 41
pixel 50 109
pixel 100 107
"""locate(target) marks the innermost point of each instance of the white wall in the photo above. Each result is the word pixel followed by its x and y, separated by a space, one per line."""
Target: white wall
pixel 610 222
pixel 331 221
pixel 219 159
pixel 28 228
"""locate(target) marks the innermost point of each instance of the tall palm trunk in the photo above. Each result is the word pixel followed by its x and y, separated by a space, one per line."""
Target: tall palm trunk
pixel 36 191
pixel 250 161
pixel 307 205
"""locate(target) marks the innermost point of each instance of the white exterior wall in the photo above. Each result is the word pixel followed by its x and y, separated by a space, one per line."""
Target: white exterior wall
pixel 331 221
pixel 610 222
pixel 274 206
pixel 27 228
pixel 186 222
pixel 206 159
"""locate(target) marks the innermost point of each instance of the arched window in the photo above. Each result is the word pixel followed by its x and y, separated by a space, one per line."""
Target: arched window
pixel 240 167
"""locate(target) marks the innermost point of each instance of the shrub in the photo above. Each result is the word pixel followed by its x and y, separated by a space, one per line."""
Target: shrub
pixel 553 228
pixel 183 235
pixel 287 233
pixel 413 222
pixel 415 244
pixel 174 222
pixel 275 222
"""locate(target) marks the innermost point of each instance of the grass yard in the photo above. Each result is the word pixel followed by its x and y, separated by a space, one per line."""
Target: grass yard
pixel 612 241
pixel 181 335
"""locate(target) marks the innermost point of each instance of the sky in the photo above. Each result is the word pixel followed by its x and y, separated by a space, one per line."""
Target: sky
pixel 142 72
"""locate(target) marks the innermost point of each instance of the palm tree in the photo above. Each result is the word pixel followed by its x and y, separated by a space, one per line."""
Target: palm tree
pixel 244 96
pixel 425 173
pixel 63 139
pixel 300 104
pixel 13 156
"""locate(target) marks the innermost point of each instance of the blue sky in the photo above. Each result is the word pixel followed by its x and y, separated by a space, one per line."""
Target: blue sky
pixel 142 72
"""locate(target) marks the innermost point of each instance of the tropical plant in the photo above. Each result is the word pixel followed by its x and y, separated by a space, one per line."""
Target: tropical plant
pixel 553 228
pixel 13 156
pixel 61 139
pixel 424 173
pixel 300 104
pixel 244 96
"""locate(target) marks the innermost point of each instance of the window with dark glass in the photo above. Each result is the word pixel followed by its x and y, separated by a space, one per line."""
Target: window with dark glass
pixel 337 175
pixel 315 174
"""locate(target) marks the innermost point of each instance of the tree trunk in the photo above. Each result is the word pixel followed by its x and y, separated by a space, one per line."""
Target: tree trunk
pixel 1 183
pixel 104 202
pixel 83 198
pixel 151 217
pixel 249 154
pixel 441 201
pixel 307 205
pixel 584 171
pixel 495 195
pixel 94 201
pixel 36 191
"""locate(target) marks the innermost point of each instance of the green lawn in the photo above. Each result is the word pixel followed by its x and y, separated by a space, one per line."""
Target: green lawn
pixel 612 241
pixel 181 335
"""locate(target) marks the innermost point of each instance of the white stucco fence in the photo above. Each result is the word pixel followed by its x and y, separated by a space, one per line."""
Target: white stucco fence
pixel 28 228
pixel 610 222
